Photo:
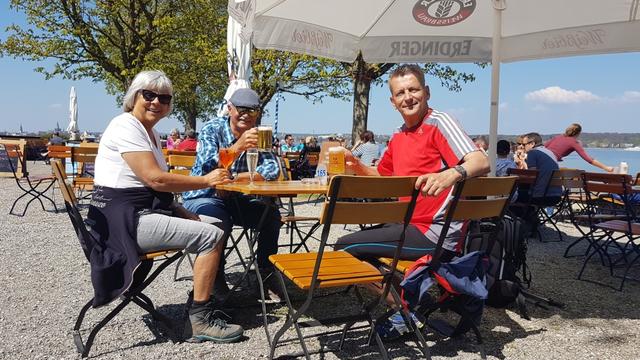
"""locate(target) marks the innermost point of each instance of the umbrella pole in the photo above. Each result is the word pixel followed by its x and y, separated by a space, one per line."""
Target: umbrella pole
pixel 498 7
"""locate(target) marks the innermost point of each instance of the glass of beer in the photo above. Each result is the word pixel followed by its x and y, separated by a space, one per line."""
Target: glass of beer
pixel 265 137
pixel 336 161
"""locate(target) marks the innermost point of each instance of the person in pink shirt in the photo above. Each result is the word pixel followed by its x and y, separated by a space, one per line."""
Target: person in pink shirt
pixel 563 145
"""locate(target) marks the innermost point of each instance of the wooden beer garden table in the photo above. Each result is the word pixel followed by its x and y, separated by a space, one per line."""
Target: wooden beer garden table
pixel 267 191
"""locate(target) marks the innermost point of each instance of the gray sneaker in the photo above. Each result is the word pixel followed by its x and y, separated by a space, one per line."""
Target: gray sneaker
pixel 211 325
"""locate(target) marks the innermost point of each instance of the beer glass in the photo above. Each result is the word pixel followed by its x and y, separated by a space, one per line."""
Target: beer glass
pixel 265 137
pixel 336 161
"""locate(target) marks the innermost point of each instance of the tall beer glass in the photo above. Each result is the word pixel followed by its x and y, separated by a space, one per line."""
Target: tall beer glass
pixel 265 137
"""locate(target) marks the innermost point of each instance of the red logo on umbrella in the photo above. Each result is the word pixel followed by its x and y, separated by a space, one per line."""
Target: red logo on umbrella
pixel 443 12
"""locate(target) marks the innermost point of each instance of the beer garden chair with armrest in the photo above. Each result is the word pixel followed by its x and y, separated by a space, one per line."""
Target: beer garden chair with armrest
pixel 143 277
pixel 482 201
pixel 339 269
pixel 620 236
pixel 35 187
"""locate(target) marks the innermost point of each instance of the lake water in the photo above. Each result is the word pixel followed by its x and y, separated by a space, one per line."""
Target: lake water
pixel 611 157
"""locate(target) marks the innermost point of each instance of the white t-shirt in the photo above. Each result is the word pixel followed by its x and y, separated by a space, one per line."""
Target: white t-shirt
pixel 124 134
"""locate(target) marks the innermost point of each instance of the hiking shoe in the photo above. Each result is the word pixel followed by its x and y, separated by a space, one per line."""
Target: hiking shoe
pixel 394 326
pixel 209 324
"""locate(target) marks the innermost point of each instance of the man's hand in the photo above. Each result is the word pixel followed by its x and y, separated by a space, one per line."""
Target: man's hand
pixel 218 177
pixel 434 184
pixel 248 139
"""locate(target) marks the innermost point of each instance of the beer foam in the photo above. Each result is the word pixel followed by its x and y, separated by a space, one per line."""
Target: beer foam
pixel 263 127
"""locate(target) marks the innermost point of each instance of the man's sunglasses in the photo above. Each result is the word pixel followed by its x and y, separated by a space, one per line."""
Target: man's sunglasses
pixel 247 110
pixel 525 143
pixel 149 95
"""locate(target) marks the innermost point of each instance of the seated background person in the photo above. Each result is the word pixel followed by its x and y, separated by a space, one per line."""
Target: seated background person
pixel 288 145
pixel 542 159
pixel 427 139
pixel 504 162
pixel 190 143
pixel 132 210
pixel 366 150
pixel 237 132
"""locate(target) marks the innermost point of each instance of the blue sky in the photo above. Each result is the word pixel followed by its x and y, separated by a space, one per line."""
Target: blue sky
pixel 601 92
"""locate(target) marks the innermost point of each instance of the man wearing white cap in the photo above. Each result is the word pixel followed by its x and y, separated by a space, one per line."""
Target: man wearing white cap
pixel 238 133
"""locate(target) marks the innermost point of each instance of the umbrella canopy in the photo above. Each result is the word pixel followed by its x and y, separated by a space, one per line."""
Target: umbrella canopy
pixel 73 112
pixel 238 51
pixel 444 31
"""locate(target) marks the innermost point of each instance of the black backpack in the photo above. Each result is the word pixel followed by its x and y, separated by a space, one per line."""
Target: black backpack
pixel 508 272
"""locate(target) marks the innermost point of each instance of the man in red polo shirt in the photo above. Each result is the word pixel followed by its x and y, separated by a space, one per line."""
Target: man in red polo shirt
pixel 428 142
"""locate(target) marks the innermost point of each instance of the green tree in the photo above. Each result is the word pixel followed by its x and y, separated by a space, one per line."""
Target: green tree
pixel 111 41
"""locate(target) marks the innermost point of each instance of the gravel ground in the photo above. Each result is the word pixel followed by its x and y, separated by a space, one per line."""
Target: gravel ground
pixel 45 281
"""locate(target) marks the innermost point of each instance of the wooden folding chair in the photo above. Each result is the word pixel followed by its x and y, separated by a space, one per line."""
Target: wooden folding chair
pixel 483 201
pixel 142 278
pixel 29 185
pixel 83 159
pixel 331 269
pixel 620 236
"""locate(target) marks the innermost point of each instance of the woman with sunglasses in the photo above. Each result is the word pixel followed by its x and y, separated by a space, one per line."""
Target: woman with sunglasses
pixel 565 144
pixel 132 210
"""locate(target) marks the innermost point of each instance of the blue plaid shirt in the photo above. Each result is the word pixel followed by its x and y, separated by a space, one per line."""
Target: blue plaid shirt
pixel 217 134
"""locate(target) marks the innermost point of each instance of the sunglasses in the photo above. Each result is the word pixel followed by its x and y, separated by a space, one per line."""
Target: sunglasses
pixel 527 143
pixel 247 110
pixel 149 95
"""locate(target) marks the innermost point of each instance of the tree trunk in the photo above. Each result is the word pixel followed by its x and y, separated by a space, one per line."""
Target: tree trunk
pixel 361 87
pixel 190 121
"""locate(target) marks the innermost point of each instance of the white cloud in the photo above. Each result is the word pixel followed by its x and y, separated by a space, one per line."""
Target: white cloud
pixel 631 96
pixel 55 106
pixel 503 106
pixel 558 95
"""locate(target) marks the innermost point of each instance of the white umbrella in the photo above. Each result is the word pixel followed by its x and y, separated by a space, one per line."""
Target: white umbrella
pixel 446 31
pixel 238 49
pixel 73 114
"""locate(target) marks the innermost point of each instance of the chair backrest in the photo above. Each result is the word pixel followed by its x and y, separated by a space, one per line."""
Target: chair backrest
pixel 567 178
pixel 81 157
pixel 71 204
pixel 59 152
pixel 609 193
pixel 181 164
pixel 339 207
pixel 14 154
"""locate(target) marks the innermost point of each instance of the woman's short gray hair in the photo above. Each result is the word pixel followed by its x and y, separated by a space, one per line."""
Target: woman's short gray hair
pixel 154 80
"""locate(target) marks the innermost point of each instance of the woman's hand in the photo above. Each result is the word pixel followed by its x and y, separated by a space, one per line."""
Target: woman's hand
pixel 218 177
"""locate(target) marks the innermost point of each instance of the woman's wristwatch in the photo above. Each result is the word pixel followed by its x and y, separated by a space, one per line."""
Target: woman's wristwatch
pixel 461 170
